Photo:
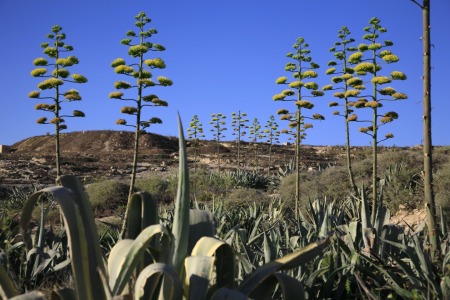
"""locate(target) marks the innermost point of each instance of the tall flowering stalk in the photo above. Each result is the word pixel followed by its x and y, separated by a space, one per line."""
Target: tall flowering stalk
pixel 347 87
pixel 239 124
pixel 139 71
pixel 369 60
pixel 427 141
pixel 55 50
pixel 255 134
pixel 272 135
pixel 218 127
pixel 195 132
pixel 300 90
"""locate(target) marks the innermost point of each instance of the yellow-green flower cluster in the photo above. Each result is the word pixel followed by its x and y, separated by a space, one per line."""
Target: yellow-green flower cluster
pixel 339 95
pixel 311 85
pixel 307 126
pixel 304 104
pixel 354 81
pixel 317 93
pixel 118 62
pixel 121 122
pixel 78 113
pixel 122 85
pixel 72 95
pixel 128 110
pixel 282 111
pixel 330 71
pixel 380 80
pixel 63 73
pixel 337 79
pixel 360 103
pixel 374 46
pixel 373 104
pixel 155 63
pixel 364 67
pixel 296 84
pixel 318 117
pixel 292 124
pixel 42 120
pixel 336 113
pixel 387 91
pixel 355 58
pixel 137 50
pixel 385 120
pixel 288 92
pixel 115 95
pixel 281 80
pixel 327 87
pixel 352 118
pixel 347 76
pixel 352 93
pixel 278 97
pixel 331 104
pixel 57 120
pixel 34 94
pixel 145 82
pixel 397 75
pixel 51 52
pixel 38 72
pixel 285 117
pixel 400 96
pixel 40 61
pixel 79 78
pixel 391 58
pixel 389 136
pixel 41 106
pixel 364 129
pixel 50 83
pixel 164 81
pixel 123 69
pixel 309 74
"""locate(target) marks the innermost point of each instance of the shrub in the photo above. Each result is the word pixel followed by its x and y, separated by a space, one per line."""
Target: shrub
pixel 242 196
pixel 157 186
pixel 107 194
pixel 442 185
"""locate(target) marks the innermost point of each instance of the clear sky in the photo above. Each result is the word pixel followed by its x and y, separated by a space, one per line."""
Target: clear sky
pixel 223 56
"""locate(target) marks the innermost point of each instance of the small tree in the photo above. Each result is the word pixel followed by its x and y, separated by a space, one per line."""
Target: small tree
pixel 195 132
pixel 239 124
pixel 375 54
pixel 302 69
pixel 54 81
pixel 272 134
pixel 138 46
pixel 218 125
pixel 347 86
pixel 255 134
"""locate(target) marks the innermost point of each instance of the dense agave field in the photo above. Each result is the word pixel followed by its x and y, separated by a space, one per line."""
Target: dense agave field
pixel 211 251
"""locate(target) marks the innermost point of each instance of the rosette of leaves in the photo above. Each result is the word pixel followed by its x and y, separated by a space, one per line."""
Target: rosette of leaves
pixel 301 88
pixel 134 90
pixel 218 127
pixel 239 124
pixel 369 62
pixel 346 87
pixel 54 72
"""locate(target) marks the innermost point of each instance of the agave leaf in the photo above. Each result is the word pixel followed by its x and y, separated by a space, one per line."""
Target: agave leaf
pixel 224 262
pixel 289 261
pixel 201 223
pixel 126 255
pixel 269 251
pixel 365 214
pixel 180 228
pixel 64 294
pixel 35 295
pixel 149 280
pixel 227 294
pixel 198 275
pixel 291 288
pixel 7 289
pixel 142 212
pixel 85 265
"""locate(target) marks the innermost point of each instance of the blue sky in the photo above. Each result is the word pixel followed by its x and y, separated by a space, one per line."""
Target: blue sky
pixel 223 56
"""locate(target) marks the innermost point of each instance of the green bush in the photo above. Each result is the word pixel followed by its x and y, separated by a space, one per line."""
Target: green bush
pixel 107 194
pixel 442 189
pixel 157 186
pixel 242 196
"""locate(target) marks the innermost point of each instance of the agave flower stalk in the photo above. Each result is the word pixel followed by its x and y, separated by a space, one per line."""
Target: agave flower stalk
pixel 368 61
pixel 300 89
pixel 58 76
pixel 255 134
pixel 347 86
pixel 195 132
pixel 272 135
pixel 218 127
pixel 239 124
pixel 139 71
